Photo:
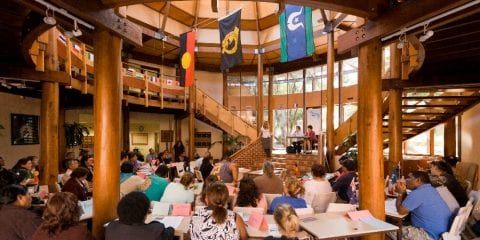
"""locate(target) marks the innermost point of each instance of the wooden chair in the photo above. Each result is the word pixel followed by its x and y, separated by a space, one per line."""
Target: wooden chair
pixel 321 201
pixel 304 211
pixel 269 197
pixel 248 210
pixel 459 223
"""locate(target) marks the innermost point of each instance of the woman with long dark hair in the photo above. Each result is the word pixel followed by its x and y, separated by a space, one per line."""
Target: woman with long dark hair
pixel 249 196
pixel 16 221
pixel 76 184
pixel 61 220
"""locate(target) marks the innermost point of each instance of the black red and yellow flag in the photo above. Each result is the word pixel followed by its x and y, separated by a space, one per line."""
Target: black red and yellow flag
pixel 187 59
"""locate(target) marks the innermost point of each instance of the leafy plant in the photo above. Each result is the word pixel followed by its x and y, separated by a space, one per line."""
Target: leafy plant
pixel 232 143
pixel 74 133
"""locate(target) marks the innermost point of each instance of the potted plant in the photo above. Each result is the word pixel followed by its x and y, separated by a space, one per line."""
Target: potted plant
pixel 233 144
pixel 74 133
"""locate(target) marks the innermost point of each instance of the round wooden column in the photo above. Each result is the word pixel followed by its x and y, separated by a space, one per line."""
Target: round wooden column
pixel 395 136
pixel 370 148
pixel 449 138
pixel 330 100
pixel 191 122
pixel 107 124
pixel 259 92
pixel 49 117
pixel 270 97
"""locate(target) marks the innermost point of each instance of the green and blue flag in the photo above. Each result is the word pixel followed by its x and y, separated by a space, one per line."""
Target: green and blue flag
pixel 296 34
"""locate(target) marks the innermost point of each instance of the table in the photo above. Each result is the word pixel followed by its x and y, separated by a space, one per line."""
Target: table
pixel 297 139
pixel 337 225
pixel 392 213
pixel 180 231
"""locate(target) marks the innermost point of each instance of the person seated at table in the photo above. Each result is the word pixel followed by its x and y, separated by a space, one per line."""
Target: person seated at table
pixel 126 171
pixel 132 211
pixel 180 192
pixel 206 167
pixel 311 138
pixel 132 182
pixel 215 221
pixel 166 157
pixel 430 215
pixel 269 182
pixel 248 195
pixel 16 221
pixel 87 162
pixel 200 199
pixel 76 184
pixel 293 189
pixel 72 164
pixel 228 171
pixel 26 165
pixel 342 184
pixel 442 175
pixel 297 142
pixel 151 155
pixel 317 185
pixel 61 219
pixel 186 162
pixel 159 182
pixel 287 221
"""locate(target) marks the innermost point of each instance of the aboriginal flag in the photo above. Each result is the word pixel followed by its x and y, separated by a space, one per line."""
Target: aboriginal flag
pixel 230 43
pixel 187 59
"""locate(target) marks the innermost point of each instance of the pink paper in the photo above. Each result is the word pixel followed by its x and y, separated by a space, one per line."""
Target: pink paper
pixel 181 209
pixel 357 215
pixel 231 190
pixel 255 221
pixel 42 191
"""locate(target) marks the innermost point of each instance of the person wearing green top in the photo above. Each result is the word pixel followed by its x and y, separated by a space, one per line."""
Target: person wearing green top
pixel 158 183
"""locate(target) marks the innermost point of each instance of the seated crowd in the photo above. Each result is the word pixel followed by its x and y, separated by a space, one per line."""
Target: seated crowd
pixel 432 203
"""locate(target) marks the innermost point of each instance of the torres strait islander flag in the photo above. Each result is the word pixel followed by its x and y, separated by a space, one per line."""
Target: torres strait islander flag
pixel 296 35
pixel 187 59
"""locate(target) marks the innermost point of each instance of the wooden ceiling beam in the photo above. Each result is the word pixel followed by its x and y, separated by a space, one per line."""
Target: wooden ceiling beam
pixel 405 15
pixel 95 13
pixel 441 97
pixel 434 106
pixel 27 74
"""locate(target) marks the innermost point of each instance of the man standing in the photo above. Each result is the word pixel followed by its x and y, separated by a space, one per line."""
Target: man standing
pixel 430 214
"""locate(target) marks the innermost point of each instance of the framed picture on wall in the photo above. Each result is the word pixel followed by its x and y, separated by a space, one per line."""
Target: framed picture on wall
pixel 139 138
pixel 24 129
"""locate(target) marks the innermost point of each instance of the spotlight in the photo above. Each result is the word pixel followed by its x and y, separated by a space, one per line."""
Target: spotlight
pixel 50 20
pixel 400 45
pixel 76 32
pixel 428 34
pixel 402 40
pixel 69 34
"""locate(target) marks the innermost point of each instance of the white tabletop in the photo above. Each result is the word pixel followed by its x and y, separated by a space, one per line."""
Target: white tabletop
pixel 180 231
pixel 337 225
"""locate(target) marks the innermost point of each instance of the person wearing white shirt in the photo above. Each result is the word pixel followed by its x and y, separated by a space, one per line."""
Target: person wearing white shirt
pixel 266 137
pixel 180 192
pixel 298 142
pixel 318 185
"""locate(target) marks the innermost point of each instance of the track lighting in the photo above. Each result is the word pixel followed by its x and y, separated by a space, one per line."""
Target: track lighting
pixel 69 34
pixel 426 34
pixel 50 20
pixel 402 40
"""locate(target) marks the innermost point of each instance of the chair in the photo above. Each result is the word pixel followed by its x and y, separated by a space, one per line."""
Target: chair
pixel 199 176
pixel 304 211
pixel 341 207
pixel 269 197
pixel 459 223
pixel 448 198
pixel 321 201
pixel 468 186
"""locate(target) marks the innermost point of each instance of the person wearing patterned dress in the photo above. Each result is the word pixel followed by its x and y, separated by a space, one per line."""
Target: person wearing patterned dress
pixel 215 221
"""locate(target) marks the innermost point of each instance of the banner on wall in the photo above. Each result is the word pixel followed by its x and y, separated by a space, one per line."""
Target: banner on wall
pixel 230 40
pixel 296 34
pixel 187 59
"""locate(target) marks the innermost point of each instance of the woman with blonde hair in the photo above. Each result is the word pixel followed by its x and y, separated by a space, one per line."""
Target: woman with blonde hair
pixel 287 221
pixel 61 219
pixel 292 189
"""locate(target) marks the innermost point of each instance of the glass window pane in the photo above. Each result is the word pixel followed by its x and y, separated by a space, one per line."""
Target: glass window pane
pixel 439 140
pixel 418 144
pixel 279 129
pixel 350 72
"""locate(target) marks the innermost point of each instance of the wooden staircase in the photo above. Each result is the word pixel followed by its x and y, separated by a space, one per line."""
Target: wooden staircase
pixel 210 111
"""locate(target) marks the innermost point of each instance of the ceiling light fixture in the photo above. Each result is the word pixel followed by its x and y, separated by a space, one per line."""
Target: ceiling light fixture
pixel 426 33
pixel 50 20
pixel 402 40
pixel 76 31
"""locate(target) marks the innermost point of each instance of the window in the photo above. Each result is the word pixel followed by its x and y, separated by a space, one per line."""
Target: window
pixel 418 144
pixel 349 110
pixel 439 140
pixel 350 72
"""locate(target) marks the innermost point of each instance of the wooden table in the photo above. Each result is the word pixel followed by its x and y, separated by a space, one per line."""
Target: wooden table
pixel 337 225
pixel 392 213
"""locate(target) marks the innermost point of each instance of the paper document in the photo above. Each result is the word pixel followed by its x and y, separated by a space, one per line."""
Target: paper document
pixel 160 208
pixel 172 221
pixel 273 230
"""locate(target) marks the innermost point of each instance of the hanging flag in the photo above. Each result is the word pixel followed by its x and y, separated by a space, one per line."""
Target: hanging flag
pixel 187 59
pixel 230 43
pixel 296 34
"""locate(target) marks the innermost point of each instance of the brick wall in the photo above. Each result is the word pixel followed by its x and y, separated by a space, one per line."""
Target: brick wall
pixel 251 156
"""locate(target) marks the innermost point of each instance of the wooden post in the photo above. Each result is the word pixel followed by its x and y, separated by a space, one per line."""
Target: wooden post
pixel 270 97
pixel 259 91
pixel 191 123
pixel 62 148
pixel 225 104
pixel 450 138
pixel 49 117
pixel 370 143
pixel 431 141
pixel 304 100
pixel 340 86
pixel 68 60
pixel 330 98
pixel 125 126
pixel 395 135
pixel 84 68
pixel 107 125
